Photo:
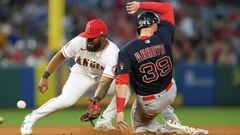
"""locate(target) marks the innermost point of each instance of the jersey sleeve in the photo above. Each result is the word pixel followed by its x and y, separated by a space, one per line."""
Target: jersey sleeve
pixel 70 48
pixel 164 9
pixel 111 62
pixel 124 63
pixel 166 27
pixel 109 70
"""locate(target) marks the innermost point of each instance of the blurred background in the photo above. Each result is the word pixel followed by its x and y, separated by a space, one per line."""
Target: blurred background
pixel 206 48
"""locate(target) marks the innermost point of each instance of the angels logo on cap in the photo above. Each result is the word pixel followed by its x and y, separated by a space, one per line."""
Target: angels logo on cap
pixel 88 28
pixel 95 28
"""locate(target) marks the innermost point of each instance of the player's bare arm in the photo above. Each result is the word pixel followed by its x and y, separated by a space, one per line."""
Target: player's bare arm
pixel 94 108
pixel 103 86
pixel 121 93
pixel 52 66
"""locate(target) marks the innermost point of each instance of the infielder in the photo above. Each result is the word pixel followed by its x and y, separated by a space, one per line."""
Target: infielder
pixel 147 63
pixel 94 68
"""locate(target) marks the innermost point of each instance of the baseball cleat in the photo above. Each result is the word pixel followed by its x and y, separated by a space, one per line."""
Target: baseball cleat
pixel 103 124
pixel 26 127
pixel 173 126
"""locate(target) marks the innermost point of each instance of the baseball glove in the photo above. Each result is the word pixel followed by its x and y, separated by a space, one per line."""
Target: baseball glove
pixel 94 110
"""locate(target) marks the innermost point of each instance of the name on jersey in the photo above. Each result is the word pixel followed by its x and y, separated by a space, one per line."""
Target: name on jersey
pixel 88 63
pixel 149 52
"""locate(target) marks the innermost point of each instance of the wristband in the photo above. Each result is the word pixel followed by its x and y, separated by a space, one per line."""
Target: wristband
pixel 46 74
pixel 120 104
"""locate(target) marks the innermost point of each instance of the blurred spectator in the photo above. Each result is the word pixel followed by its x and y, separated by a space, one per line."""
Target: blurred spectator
pixel 206 31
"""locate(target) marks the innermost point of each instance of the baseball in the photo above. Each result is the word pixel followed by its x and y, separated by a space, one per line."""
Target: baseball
pixel 21 104
pixel 1 120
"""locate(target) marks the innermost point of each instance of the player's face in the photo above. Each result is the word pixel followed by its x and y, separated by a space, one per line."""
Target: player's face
pixel 94 44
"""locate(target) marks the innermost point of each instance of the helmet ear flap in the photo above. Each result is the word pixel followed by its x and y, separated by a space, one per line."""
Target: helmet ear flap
pixel 146 19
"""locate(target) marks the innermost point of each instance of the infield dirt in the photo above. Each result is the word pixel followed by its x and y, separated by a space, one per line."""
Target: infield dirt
pixel 87 130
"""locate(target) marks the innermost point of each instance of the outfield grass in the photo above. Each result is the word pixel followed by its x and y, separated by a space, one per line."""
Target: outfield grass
pixel 188 115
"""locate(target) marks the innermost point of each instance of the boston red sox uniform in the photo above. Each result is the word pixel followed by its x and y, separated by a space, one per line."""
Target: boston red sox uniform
pixel 147 62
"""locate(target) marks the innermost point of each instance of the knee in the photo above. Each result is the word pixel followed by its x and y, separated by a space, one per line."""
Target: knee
pixel 66 102
pixel 151 111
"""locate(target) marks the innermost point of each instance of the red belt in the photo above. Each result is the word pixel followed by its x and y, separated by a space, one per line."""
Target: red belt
pixel 150 97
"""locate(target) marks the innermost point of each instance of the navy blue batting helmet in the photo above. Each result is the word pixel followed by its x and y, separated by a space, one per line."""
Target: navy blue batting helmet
pixel 146 19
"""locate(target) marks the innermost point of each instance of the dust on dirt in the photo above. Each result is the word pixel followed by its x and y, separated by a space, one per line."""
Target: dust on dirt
pixel 87 130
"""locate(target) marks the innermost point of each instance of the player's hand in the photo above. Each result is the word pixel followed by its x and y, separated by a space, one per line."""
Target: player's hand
pixel 43 85
pixel 121 124
pixel 132 7
pixel 94 110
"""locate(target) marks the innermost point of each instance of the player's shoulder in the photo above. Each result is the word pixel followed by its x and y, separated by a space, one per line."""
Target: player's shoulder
pixel 78 39
pixel 112 45
pixel 167 26
pixel 77 42
pixel 130 44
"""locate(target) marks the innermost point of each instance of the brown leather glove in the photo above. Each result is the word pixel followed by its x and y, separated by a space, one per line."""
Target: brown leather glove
pixel 94 110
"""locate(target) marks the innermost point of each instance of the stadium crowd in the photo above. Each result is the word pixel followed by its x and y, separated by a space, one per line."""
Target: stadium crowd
pixel 208 31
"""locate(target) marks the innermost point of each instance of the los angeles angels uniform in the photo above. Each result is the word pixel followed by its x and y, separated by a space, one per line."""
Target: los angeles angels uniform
pixel 85 73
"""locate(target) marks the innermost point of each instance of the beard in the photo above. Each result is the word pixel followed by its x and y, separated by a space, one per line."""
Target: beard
pixel 94 48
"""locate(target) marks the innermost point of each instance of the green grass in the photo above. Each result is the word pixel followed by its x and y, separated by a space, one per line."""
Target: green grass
pixel 209 115
pixel 188 116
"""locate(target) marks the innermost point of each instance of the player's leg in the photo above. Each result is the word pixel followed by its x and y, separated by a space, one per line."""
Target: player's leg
pixel 172 122
pixel 142 121
pixel 168 114
pixel 148 107
pixel 105 121
pixel 74 88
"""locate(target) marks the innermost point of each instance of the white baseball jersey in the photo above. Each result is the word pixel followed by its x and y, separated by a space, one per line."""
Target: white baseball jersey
pixel 84 74
pixel 93 64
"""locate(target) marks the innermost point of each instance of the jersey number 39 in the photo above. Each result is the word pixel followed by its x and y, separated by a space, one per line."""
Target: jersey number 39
pixel 152 70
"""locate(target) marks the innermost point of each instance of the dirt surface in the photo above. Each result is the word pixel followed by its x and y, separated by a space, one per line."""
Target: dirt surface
pixel 84 130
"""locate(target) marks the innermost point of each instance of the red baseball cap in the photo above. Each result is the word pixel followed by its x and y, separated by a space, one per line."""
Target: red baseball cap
pixel 95 28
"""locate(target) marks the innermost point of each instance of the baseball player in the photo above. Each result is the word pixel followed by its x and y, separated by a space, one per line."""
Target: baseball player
pixel 105 121
pixel 147 63
pixel 94 68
